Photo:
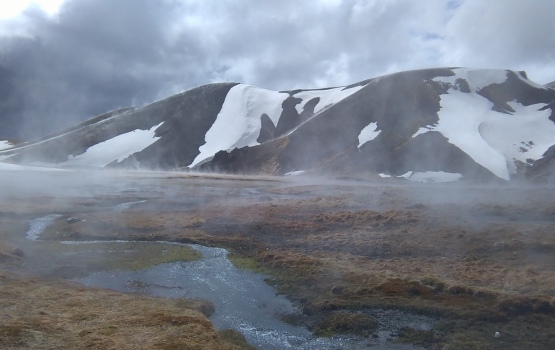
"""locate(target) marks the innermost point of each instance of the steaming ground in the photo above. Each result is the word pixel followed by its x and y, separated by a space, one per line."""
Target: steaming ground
pixel 354 256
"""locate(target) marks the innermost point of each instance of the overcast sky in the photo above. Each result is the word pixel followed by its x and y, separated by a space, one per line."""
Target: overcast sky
pixel 74 59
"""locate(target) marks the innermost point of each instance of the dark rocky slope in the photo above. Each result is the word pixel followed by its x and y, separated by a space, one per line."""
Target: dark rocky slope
pixel 482 124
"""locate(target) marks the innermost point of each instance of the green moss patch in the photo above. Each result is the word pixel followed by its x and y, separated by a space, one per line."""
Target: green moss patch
pixel 247 263
pixel 71 260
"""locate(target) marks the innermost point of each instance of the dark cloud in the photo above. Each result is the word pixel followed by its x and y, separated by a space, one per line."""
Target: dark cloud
pixel 504 33
pixel 96 56
pixel 99 55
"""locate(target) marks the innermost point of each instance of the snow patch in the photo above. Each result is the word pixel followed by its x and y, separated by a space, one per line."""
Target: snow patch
pixel 117 148
pixel 525 135
pixel 61 136
pixel 127 205
pixel 477 79
pixel 293 173
pixel 435 176
pixel 493 139
pixel 238 123
pixel 3 157
pixel 422 130
pixel 11 167
pixel 5 145
pixel 530 82
pixel 368 134
pixel 406 175
pixel 327 97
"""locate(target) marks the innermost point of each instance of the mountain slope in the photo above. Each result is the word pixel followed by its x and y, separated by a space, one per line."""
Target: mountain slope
pixel 481 124
pixel 477 123
pixel 180 131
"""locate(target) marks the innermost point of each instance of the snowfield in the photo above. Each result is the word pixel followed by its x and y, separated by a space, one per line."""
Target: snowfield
pixel 114 149
pixel 427 176
pixel 5 145
pixel 327 97
pixel 368 134
pixel 239 122
pixel 435 176
pixel 294 173
pixel 477 79
pixel 492 139
pixel 498 118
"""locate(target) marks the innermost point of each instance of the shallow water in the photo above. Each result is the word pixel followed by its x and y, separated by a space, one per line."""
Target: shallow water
pixel 127 205
pixel 37 226
pixel 243 300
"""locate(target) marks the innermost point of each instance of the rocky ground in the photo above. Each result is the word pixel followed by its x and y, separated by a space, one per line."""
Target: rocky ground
pixel 478 260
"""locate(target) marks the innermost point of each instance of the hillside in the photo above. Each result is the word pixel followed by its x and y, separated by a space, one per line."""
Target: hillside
pixel 427 125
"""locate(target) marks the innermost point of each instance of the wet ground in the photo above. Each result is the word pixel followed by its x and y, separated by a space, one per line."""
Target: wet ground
pixel 384 263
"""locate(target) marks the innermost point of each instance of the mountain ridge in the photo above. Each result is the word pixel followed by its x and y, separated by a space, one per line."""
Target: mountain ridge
pixel 480 124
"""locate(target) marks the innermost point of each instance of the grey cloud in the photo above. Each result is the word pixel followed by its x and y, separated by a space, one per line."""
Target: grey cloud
pixel 99 55
pixel 504 33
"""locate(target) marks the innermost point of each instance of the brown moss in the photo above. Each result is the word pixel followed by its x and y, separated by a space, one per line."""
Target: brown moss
pixel 39 314
pixel 346 323
pixel 487 267
pixel 521 306
pixel 460 290
pixel 376 219
pixel 205 307
pixel 425 338
pixel 10 253
pixel 403 288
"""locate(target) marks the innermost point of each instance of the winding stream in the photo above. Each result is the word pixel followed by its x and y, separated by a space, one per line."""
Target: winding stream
pixel 37 226
pixel 243 300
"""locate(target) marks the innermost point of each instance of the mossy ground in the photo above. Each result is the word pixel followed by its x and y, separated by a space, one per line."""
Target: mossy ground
pixel 478 260
pixel 112 256
pixel 47 314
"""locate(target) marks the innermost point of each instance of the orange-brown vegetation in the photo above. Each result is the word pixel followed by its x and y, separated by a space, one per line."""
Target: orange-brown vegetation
pixel 478 265
pixel 40 314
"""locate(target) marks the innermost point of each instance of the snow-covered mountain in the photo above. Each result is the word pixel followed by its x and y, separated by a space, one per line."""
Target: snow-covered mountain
pixel 433 124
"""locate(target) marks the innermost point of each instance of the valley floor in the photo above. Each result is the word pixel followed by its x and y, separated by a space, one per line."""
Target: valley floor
pixel 477 260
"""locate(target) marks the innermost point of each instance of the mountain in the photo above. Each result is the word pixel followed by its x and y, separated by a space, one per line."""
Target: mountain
pixel 434 124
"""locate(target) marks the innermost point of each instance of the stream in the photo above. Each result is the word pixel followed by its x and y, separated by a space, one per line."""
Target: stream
pixel 242 299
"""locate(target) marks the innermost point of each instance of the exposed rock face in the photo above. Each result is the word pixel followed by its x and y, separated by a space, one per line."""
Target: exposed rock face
pixel 186 119
pixel 482 124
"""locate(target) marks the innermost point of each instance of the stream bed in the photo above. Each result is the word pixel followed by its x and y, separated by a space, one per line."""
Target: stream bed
pixel 242 299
